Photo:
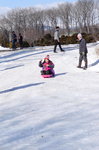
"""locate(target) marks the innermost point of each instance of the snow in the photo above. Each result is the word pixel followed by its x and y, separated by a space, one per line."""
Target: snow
pixel 4 48
pixel 60 113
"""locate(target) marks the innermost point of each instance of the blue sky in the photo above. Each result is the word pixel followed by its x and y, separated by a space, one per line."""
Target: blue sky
pixel 28 3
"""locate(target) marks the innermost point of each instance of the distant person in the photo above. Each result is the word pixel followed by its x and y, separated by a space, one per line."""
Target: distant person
pixel 57 40
pixel 20 41
pixel 14 40
pixel 82 51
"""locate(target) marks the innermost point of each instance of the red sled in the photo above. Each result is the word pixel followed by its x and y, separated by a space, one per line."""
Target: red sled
pixel 47 75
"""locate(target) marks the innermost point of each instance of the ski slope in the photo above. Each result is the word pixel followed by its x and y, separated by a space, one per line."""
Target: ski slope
pixel 60 113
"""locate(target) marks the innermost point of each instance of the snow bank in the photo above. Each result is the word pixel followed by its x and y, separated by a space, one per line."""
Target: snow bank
pixel 97 48
pixel 4 49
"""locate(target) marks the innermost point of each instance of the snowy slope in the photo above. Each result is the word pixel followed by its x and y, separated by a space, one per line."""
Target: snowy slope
pixel 60 113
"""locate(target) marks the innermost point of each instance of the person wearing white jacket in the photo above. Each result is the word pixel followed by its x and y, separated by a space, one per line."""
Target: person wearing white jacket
pixel 57 41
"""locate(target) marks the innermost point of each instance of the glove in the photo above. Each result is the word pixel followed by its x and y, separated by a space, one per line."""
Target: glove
pixel 42 60
pixel 82 53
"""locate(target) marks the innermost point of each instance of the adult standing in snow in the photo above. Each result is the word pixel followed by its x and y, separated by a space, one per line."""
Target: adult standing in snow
pixel 14 40
pixel 82 51
pixel 20 41
pixel 57 40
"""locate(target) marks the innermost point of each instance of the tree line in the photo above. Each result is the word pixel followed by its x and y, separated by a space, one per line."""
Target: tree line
pixel 33 23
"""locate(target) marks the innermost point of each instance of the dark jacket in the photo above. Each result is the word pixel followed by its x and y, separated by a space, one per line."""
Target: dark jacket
pixel 14 37
pixel 20 39
pixel 51 65
pixel 82 46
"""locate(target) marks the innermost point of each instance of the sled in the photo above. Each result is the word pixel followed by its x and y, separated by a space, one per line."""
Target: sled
pixel 47 75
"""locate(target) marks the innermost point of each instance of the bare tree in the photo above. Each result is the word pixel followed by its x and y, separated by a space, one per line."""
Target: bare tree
pixel 84 11
pixel 33 23
pixel 52 17
pixel 65 15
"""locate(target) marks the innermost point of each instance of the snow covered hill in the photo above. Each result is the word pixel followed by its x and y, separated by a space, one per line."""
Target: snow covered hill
pixel 60 113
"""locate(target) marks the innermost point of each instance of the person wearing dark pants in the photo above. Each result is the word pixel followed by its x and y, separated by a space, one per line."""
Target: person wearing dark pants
pixel 82 51
pixel 20 41
pixel 14 40
pixel 57 41
pixel 83 56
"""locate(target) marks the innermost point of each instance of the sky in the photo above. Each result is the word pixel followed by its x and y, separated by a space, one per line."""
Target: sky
pixel 6 5
pixel 27 3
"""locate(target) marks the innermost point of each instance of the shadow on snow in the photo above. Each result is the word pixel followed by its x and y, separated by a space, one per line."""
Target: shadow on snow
pixel 20 87
pixel 60 74
pixel 34 52
pixel 13 67
pixel 25 56
pixel 95 63
pixel 72 125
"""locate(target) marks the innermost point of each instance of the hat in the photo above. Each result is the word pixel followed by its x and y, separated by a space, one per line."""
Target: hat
pixel 46 58
pixel 47 55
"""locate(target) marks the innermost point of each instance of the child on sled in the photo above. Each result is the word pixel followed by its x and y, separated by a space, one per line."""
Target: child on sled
pixel 47 66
